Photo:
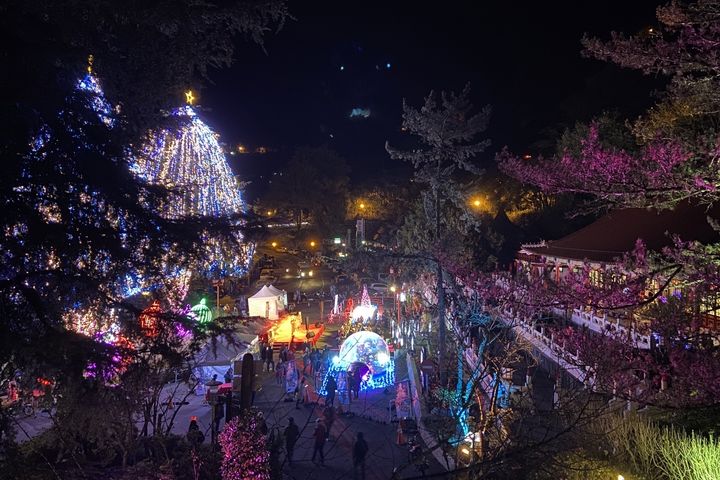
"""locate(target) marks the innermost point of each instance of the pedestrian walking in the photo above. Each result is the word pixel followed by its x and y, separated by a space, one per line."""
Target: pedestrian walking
pixel 360 450
pixel 329 417
pixel 319 437
pixel 292 433
pixel 331 386
pixel 262 427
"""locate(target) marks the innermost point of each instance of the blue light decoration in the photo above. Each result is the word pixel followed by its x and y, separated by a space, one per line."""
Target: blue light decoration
pixel 368 348
pixel 99 104
pixel 189 161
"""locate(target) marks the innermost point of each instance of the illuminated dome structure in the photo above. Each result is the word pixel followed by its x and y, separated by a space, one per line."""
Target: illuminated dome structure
pixel 366 347
pixel 188 159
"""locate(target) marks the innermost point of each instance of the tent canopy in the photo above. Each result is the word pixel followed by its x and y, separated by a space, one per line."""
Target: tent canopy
pixel 276 290
pixel 266 303
pixel 282 294
pixel 265 292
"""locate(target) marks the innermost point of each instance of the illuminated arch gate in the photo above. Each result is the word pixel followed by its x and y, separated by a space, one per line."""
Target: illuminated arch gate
pixel 367 348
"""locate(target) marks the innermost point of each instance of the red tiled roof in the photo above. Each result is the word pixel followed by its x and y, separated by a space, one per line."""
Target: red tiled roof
pixel 610 236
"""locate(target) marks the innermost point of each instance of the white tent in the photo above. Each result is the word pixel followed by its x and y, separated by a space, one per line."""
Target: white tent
pixel 280 293
pixel 265 303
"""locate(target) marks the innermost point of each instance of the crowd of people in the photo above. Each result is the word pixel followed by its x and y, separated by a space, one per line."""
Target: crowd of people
pixel 313 361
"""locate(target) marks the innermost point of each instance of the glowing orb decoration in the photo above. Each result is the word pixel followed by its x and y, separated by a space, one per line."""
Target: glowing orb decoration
pixel 366 347
pixel 202 312
pixel 364 312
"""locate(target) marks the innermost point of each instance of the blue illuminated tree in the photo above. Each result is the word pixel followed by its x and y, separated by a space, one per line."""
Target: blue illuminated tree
pixel 186 158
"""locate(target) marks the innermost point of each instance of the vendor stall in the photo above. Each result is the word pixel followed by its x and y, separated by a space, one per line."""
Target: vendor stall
pixel 265 303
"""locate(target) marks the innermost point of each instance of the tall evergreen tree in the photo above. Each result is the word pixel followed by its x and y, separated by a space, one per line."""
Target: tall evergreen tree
pixel 447 128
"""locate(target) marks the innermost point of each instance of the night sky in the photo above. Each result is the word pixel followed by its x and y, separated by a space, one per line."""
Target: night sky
pixel 523 60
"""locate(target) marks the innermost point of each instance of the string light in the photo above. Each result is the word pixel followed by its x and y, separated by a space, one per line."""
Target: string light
pixel 245 454
pixel 189 161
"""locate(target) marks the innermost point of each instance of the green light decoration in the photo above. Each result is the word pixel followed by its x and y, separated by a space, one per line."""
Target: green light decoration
pixel 202 312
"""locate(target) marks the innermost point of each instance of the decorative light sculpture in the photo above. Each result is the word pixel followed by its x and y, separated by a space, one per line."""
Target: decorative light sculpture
pixel 149 319
pixel 365 310
pixel 366 347
pixel 188 160
pixel 202 312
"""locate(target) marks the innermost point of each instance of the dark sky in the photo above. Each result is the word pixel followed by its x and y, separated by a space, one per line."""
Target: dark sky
pixel 523 59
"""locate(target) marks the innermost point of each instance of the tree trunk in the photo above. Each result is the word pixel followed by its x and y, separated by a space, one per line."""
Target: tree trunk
pixel 441 300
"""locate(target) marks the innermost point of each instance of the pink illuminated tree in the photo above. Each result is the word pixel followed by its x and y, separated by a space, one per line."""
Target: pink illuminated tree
pixel 245 453
pixel 674 159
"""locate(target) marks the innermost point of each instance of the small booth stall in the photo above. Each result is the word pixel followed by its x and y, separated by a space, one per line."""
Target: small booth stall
pixel 266 303
pixel 282 296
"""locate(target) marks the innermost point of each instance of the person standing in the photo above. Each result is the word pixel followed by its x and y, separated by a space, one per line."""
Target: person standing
pixel 360 450
pixel 329 417
pixel 357 382
pixel 263 355
pixel 319 436
pixel 292 433
pixel 279 373
pixel 330 387
pixel 350 385
pixel 269 357
pixel 194 436
pixel 306 361
pixel 301 392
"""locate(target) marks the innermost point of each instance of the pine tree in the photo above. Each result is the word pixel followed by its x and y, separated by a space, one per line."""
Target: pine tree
pixel 447 128
pixel 186 158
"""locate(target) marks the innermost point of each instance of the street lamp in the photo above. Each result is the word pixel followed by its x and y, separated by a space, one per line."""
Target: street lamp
pixel 312 244
pixel 274 244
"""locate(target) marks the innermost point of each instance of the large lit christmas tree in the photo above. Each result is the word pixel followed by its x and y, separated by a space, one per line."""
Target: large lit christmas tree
pixel 187 158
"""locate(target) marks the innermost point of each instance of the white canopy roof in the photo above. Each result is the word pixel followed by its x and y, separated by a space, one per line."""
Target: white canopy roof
pixel 276 290
pixel 265 292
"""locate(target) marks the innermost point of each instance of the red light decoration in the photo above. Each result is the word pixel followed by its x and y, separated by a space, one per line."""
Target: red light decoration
pixel 149 319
